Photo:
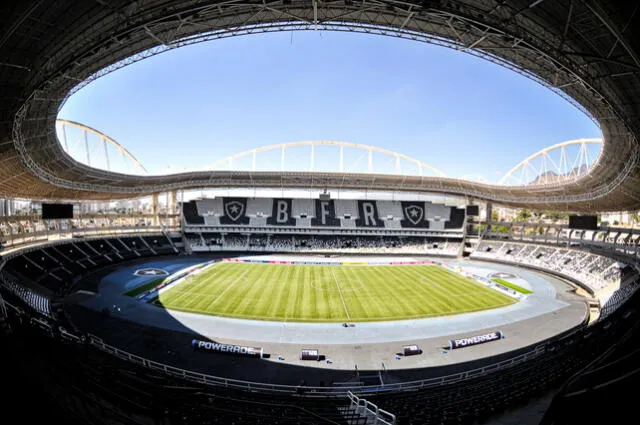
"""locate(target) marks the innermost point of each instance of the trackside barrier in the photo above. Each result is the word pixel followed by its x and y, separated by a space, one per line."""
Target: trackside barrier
pixel 68 335
pixel 369 409
pixel 86 236
pixel 338 390
pixel 17 239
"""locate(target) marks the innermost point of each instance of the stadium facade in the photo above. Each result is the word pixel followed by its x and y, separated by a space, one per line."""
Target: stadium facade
pixel 124 361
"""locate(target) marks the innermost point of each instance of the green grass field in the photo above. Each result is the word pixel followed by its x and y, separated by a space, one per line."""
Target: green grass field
pixel 512 286
pixel 329 293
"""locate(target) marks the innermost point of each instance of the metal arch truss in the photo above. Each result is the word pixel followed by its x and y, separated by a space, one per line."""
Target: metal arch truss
pixel 228 161
pixel 554 164
pixel 106 140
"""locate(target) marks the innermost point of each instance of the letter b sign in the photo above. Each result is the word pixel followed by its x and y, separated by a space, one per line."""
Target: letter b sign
pixel 282 211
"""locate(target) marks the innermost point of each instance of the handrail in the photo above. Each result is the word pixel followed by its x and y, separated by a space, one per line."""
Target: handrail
pixel 49 238
pixel 85 230
pixel 311 391
pixel 380 415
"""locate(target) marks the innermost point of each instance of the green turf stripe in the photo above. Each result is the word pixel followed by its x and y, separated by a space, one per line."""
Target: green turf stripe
pixel 310 293
pixel 434 290
pixel 512 286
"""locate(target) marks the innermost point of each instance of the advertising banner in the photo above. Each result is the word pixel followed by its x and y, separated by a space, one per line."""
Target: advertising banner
pixel 227 348
pixel 475 340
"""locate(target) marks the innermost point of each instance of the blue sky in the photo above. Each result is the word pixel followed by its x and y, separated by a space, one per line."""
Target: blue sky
pixel 191 106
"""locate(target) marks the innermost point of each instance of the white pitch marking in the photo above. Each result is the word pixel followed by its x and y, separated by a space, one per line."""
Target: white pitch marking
pixel 340 292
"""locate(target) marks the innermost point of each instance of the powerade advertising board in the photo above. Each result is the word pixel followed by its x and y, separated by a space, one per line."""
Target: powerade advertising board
pixel 475 340
pixel 227 348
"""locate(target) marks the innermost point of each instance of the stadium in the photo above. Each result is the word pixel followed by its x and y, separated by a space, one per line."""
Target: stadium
pixel 316 296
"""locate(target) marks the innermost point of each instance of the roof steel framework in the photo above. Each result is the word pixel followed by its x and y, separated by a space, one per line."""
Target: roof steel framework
pixel 586 50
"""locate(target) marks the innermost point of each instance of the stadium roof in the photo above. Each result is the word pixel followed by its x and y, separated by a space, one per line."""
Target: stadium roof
pixel 587 50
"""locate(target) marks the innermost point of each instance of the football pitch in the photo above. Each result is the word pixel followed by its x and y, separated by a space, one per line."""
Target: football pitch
pixel 329 293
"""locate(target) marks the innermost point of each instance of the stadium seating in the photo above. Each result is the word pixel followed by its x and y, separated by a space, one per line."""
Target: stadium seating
pixel 471 399
pixel 159 244
pixel 54 269
pixel 348 214
pixel 258 207
pixel 303 208
pixel 461 401
pixel 612 301
pixel 235 242
pixel 191 214
pixel 456 219
pixel 346 208
pixel 38 302
pixel 322 243
pixel 596 271
pixel 390 209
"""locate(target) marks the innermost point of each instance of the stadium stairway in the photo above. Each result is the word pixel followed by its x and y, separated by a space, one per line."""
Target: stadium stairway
pixel 355 415
pixel 145 242
pixel 171 243
pixel 115 250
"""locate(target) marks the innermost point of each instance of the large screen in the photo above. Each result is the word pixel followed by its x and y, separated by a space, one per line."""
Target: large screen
pixel 587 222
pixel 473 210
pixel 57 211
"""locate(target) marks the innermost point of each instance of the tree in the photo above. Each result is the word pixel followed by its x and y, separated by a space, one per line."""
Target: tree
pixel 555 216
pixel 523 215
pixel 500 229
